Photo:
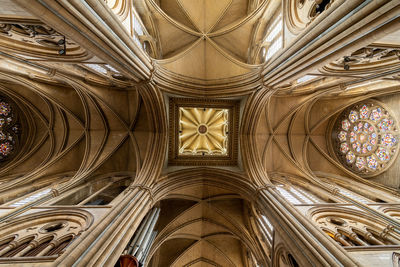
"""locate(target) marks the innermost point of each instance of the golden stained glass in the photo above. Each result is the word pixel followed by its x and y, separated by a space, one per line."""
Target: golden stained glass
pixel 203 131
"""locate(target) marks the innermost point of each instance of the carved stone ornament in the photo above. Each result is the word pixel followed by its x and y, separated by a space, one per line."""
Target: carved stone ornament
pixel 38 41
pixel 365 60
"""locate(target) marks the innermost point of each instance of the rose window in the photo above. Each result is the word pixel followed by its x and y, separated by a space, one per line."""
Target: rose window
pixel 365 138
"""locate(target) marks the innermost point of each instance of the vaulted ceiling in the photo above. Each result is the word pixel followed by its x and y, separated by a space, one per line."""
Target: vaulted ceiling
pixel 102 108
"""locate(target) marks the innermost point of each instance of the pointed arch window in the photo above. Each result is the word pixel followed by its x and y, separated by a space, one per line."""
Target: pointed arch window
pixel 266 226
pixel 274 38
pixel 137 30
pixel 353 195
pixel 266 229
pixel 30 198
pixel 129 19
pixel 286 194
pixel 297 195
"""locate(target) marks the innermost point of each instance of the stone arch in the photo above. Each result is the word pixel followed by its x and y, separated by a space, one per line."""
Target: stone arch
pixel 351 227
pixel 43 233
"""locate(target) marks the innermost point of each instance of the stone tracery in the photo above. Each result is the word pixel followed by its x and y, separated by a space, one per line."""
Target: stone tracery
pixel 365 138
pixel 350 228
pixel 41 234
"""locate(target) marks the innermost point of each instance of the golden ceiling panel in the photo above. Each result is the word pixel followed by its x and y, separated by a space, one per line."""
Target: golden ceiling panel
pixel 203 132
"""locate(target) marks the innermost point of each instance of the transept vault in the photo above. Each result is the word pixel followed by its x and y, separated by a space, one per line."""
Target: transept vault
pixel 199 133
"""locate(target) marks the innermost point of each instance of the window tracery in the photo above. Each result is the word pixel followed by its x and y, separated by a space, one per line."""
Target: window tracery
pixel 266 227
pixel 93 193
pixel 351 228
pixel 352 195
pixel 365 138
pixel 129 19
pixel 41 234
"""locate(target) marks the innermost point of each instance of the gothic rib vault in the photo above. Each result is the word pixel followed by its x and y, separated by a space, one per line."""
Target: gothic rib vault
pixel 199 132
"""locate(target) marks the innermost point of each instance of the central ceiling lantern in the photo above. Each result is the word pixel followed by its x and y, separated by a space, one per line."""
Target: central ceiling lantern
pixel 203 132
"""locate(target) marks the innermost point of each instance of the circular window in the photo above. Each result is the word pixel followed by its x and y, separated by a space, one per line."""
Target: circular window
pixel 365 138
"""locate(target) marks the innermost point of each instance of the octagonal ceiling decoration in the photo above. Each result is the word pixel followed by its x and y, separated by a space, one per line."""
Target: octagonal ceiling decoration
pixel 203 132
pixel 206 40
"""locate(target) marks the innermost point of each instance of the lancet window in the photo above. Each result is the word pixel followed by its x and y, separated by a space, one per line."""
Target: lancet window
pixel 101 193
pixel 30 198
pixel 274 38
pixel 137 30
pixel 297 195
pixel 129 19
pixel 353 195
pixel 267 229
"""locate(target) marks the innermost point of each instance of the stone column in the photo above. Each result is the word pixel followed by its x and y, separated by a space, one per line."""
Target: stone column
pixel 103 243
pixel 310 245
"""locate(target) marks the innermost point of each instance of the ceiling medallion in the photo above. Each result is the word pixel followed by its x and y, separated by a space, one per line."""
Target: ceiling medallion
pixel 365 138
pixel 203 132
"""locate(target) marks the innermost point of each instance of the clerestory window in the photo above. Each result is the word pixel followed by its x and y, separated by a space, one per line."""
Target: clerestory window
pixel 274 39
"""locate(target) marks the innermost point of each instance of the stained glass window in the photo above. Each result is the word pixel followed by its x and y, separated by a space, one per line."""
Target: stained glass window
pixel 9 129
pixel 365 138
